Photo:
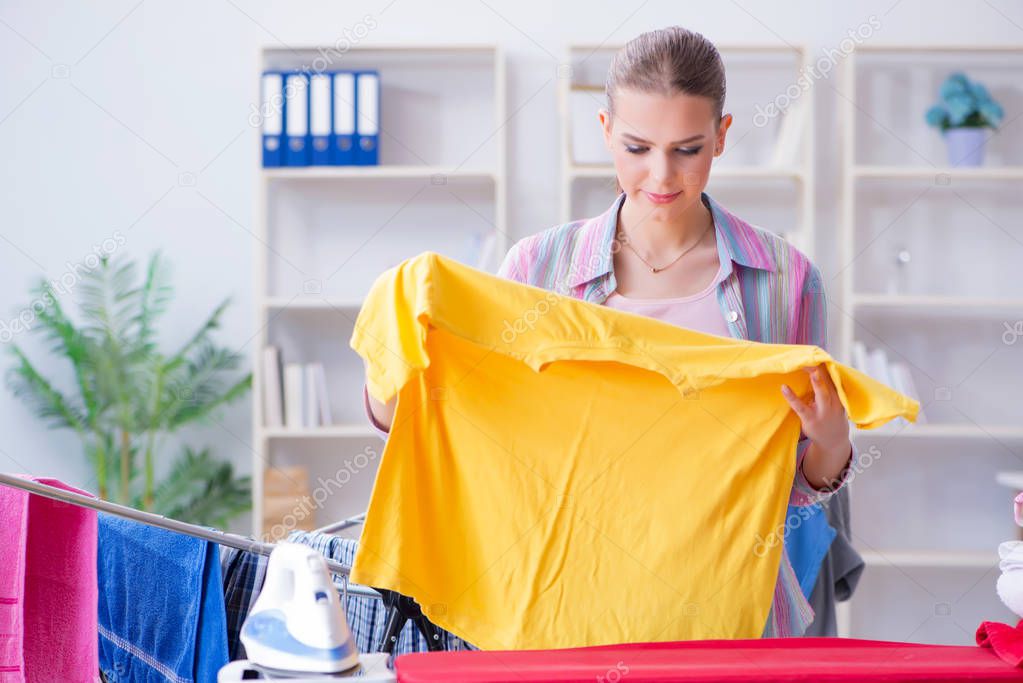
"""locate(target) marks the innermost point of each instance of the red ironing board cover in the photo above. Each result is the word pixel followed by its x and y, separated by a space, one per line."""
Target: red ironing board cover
pixel 766 659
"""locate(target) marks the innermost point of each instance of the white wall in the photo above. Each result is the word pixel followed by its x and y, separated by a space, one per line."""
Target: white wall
pixel 109 111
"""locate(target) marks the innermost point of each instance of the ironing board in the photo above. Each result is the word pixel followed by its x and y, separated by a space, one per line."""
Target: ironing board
pixel 374 669
pixel 811 660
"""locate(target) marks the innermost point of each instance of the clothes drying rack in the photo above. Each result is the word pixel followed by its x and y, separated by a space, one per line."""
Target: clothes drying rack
pixel 213 535
pixel 400 608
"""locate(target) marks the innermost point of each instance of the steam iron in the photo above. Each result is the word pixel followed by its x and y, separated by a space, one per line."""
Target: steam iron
pixel 297 625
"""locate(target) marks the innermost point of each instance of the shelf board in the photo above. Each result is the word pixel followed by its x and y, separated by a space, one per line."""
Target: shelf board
pixel 902 303
pixel 741 172
pixel 722 47
pixel 381 172
pixel 1013 480
pixel 309 303
pixel 337 431
pixel 944 431
pixel 930 172
pixel 951 559
pixel 881 47
pixel 400 48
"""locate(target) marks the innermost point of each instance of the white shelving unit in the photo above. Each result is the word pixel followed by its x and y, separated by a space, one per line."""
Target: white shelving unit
pixel 894 558
pixel 944 431
pixel 326 233
pixel 929 514
pixel 746 178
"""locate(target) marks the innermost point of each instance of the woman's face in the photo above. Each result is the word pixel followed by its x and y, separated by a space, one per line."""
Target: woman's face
pixel 662 148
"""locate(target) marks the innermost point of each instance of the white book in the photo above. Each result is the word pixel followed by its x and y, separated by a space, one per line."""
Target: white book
pixel 587 144
pixel 859 357
pixel 898 378
pixel 273 407
pixel 293 395
pixel 310 412
pixel 790 131
pixel 487 253
pixel 322 401
pixel 898 384
pixel 877 361
pixel 904 379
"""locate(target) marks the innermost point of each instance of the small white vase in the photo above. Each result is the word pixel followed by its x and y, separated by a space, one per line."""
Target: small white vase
pixel 965 146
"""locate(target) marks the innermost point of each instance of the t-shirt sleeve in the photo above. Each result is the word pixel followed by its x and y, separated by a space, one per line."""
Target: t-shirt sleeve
pixel 390 331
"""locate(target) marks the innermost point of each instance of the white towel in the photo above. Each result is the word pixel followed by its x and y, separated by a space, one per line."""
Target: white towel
pixel 1010 583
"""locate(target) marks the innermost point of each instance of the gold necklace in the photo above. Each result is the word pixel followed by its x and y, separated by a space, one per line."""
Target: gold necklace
pixel 653 269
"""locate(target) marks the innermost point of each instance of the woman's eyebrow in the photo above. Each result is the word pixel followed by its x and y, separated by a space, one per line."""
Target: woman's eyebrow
pixel 647 142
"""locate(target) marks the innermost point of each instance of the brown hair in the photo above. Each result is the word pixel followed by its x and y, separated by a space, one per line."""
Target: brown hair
pixel 668 61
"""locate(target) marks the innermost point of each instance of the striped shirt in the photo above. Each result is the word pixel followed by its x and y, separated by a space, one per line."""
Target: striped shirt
pixel 769 291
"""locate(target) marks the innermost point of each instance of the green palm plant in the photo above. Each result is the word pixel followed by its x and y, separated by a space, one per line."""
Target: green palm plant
pixel 128 394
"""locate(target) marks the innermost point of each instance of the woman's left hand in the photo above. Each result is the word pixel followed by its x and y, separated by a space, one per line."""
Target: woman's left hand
pixel 824 419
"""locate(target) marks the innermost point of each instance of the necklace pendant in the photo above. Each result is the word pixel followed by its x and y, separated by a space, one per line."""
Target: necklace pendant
pixel 653 270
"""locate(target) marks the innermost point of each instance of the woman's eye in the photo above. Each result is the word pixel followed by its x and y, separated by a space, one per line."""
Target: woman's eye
pixel 686 151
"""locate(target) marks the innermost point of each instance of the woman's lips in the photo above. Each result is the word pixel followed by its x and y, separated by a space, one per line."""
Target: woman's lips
pixel 661 198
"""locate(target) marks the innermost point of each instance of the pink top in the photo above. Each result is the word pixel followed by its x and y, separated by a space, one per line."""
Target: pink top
pixel 700 311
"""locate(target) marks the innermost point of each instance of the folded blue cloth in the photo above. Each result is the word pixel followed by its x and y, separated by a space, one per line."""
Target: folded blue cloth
pixel 807 543
pixel 161 605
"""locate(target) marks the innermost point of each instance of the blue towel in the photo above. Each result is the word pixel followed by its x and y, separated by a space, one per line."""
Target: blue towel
pixel 161 605
pixel 807 543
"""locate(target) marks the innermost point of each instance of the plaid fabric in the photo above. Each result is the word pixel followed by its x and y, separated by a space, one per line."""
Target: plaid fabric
pixel 243 573
pixel 367 617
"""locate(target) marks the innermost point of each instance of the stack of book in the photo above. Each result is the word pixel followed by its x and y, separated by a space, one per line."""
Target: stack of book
pixel 294 394
pixel 875 362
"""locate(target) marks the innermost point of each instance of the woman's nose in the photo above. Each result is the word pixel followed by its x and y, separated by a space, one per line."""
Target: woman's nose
pixel 661 168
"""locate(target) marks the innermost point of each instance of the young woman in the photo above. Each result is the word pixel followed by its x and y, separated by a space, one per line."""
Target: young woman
pixel 665 249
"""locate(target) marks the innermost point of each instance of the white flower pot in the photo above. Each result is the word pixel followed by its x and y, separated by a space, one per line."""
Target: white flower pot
pixel 965 146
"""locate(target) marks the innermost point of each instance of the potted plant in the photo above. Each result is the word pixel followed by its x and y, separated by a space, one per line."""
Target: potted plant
pixel 965 110
pixel 128 395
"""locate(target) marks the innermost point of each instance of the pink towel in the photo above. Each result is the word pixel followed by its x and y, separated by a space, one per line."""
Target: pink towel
pixel 48 588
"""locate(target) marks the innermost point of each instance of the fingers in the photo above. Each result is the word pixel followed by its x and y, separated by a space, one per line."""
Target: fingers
pixel 800 407
pixel 826 378
pixel 824 392
pixel 820 392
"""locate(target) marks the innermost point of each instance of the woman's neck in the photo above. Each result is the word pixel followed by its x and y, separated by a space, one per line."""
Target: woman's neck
pixel 661 237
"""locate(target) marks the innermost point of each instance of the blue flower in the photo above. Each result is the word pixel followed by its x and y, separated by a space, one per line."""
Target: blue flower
pixel 979 92
pixel 992 111
pixel 955 84
pixel 962 101
pixel 959 108
pixel 936 116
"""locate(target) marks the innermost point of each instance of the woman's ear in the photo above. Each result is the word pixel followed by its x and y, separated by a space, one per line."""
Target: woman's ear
pixel 605 123
pixel 719 142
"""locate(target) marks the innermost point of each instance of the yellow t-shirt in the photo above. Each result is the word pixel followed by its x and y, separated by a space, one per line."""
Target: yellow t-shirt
pixel 560 474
